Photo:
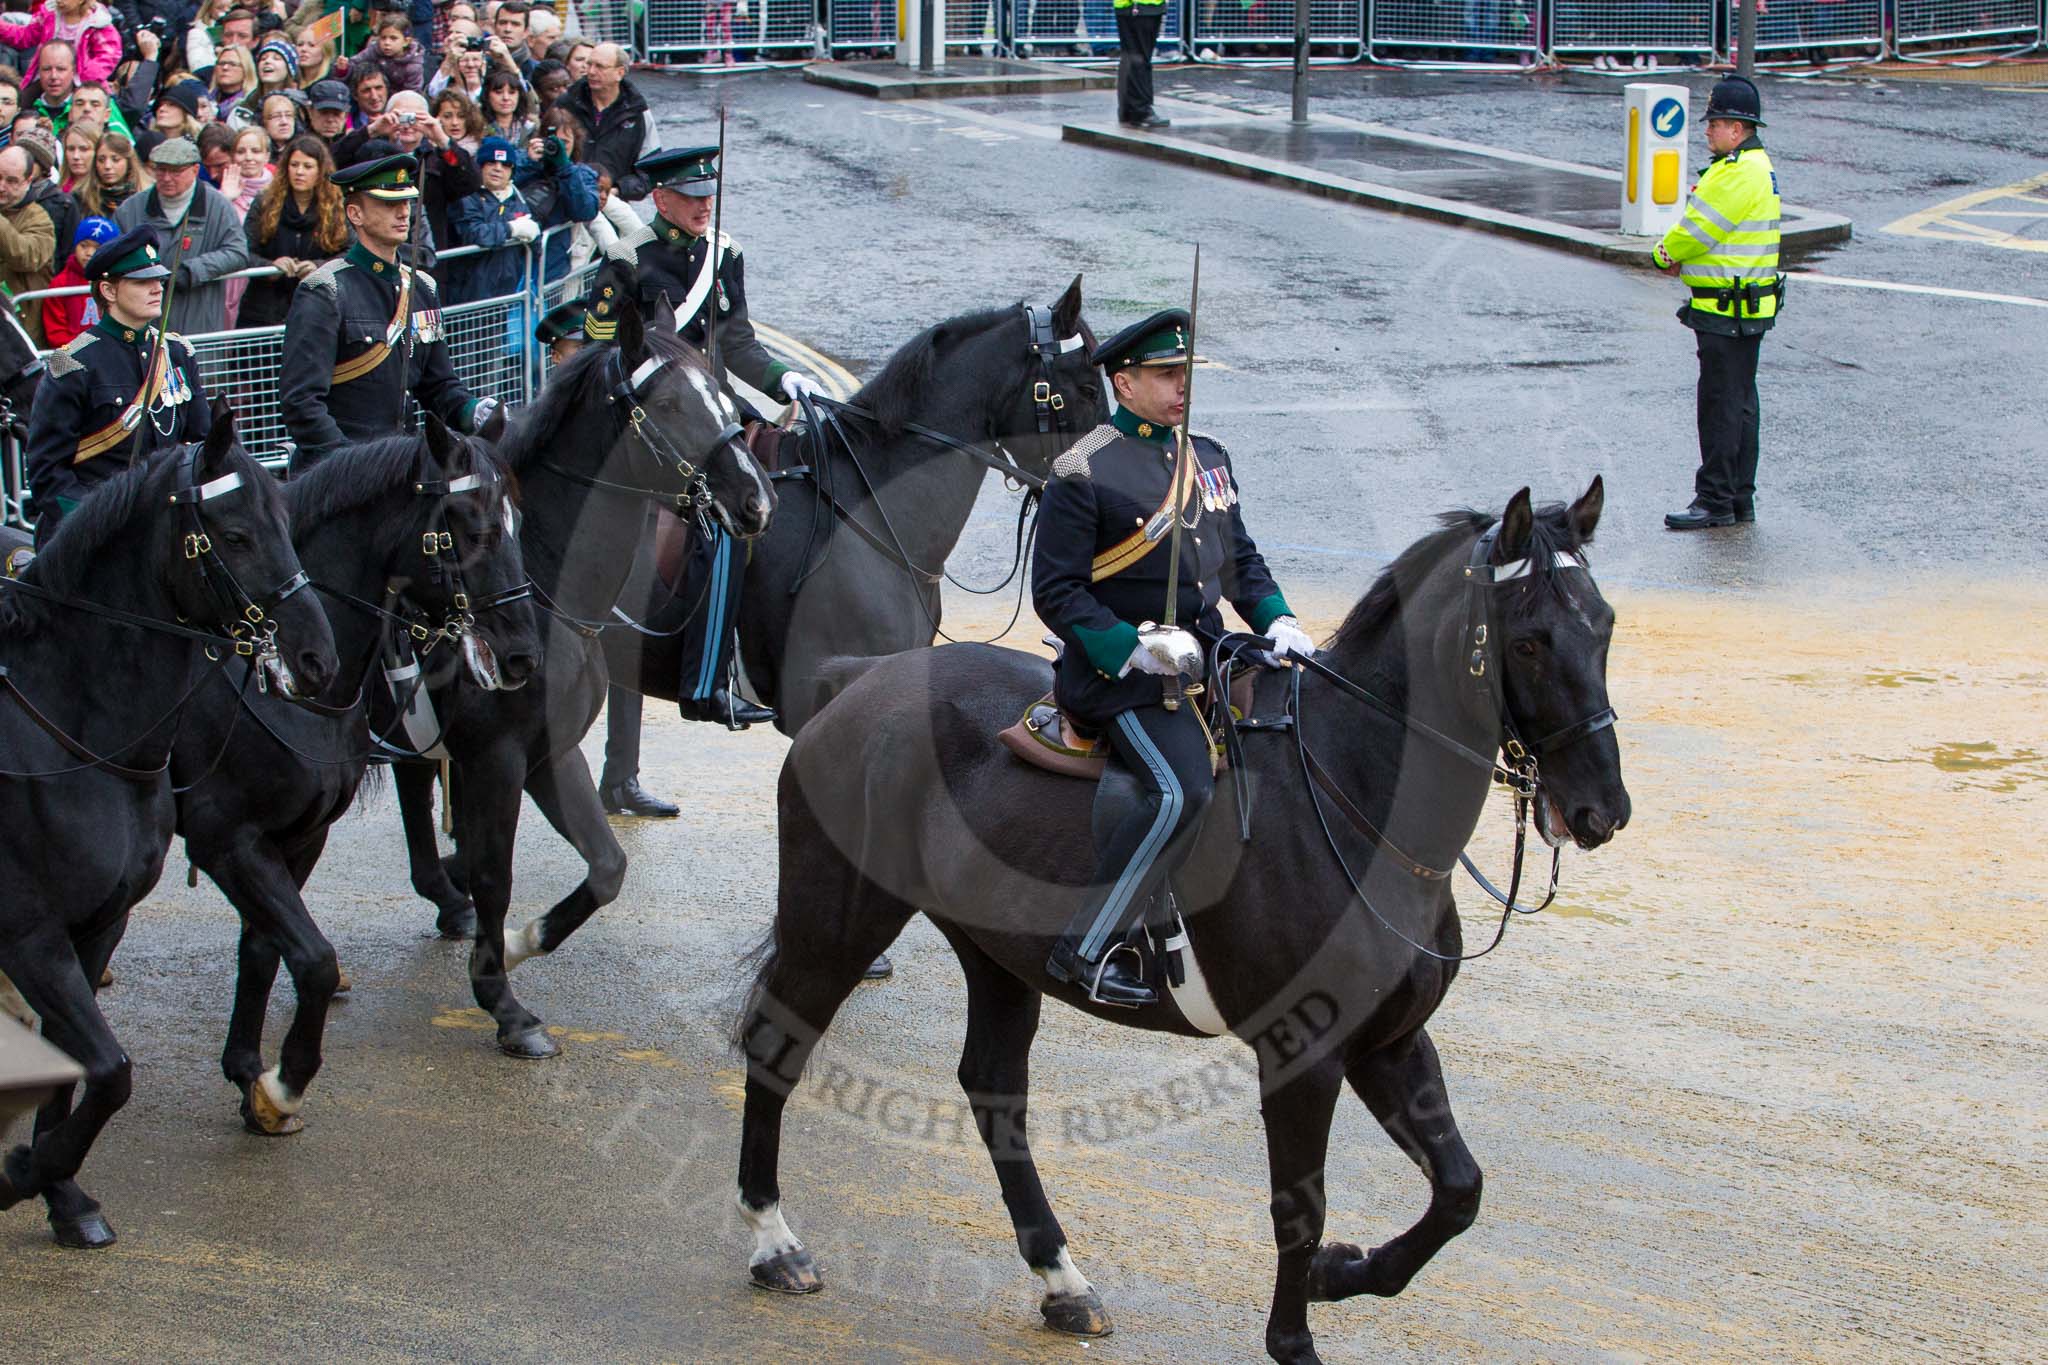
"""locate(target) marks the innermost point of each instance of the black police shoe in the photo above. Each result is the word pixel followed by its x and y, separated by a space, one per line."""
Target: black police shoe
pixel 881 969
pixel 1149 121
pixel 723 708
pixel 1109 982
pixel 630 798
pixel 1745 512
pixel 1697 518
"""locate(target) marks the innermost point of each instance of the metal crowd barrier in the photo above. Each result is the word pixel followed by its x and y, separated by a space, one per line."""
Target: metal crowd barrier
pixel 1478 30
pixel 1053 35
pixel 605 21
pixel 870 25
pixel 1224 24
pixel 1683 28
pixel 1967 23
pixel 1807 25
pixel 713 31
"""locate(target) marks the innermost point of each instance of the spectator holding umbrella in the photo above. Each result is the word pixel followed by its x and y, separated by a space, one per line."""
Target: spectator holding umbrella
pixel 297 225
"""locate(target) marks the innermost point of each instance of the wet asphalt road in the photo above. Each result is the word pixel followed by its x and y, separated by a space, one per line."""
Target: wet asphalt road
pixel 1732 1103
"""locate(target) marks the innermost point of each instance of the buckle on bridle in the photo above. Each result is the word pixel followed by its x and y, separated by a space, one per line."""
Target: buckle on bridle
pixel 197 543
pixel 433 542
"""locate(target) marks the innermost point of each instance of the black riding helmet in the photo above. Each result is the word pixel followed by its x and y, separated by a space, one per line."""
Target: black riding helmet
pixel 1736 97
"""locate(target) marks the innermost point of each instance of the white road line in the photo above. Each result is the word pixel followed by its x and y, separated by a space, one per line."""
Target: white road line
pixel 2022 300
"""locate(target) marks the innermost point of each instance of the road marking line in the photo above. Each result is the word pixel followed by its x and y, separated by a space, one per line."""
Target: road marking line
pixel 2022 300
pixel 1944 223
pixel 835 378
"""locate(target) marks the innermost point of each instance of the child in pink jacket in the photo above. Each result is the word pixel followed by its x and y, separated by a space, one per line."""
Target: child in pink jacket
pixel 87 25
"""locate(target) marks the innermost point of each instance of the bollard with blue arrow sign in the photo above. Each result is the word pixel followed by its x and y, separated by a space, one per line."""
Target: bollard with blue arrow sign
pixel 1653 181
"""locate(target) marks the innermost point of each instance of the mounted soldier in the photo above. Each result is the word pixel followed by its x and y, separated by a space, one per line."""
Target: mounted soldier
pixel 119 391
pixel 364 331
pixel 1099 578
pixel 678 265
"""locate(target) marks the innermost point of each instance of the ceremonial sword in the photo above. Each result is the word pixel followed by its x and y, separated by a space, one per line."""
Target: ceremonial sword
pixel 711 262
pixel 162 350
pixel 1184 453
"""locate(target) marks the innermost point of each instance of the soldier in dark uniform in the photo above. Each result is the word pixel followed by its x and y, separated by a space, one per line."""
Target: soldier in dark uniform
pixel 672 265
pixel 364 331
pixel 1098 579
pixel 561 330
pixel 94 402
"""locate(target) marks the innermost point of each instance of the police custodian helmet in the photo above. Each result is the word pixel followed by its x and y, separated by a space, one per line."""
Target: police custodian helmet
pixel 1736 97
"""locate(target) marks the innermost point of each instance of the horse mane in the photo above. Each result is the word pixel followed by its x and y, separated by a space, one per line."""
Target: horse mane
pixel 101 518
pixel 1550 534
pixel 896 392
pixel 581 380
pixel 367 470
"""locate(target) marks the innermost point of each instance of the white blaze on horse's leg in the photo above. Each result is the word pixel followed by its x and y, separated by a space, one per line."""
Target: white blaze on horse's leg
pixel 1063 1278
pixel 279 1093
pixel 522 944
pixel 772 1236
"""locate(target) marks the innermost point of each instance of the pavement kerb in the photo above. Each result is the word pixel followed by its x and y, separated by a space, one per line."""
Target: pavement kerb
pixel 1805 228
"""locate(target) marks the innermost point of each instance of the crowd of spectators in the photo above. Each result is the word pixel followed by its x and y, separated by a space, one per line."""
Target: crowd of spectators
pixel 219 122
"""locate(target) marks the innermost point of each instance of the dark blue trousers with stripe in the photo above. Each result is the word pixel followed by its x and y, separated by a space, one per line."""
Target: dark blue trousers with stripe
pixel 1147 810
pixel 715 569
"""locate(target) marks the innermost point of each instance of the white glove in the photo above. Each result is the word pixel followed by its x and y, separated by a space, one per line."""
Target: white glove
pixel 1290 639
pixel 795 386
pixel 524 229
pixel 1165 653
pixel 481 414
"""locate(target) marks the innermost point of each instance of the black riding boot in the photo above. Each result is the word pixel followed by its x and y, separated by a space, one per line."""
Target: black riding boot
pixel 1112 981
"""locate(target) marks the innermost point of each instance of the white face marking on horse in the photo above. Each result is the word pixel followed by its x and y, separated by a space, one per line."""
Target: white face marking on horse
pixel 1063 1277
pixel 772 1236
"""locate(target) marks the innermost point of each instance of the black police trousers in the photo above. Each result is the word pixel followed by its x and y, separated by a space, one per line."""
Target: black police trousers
pixel 1728 421
pixel 1154 790
pixel 1137 33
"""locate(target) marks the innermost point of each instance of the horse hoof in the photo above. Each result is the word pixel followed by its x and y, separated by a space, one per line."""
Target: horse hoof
pixel 86 1232
pixel 1330 1259
pixel 1077 1315
pixel 529 1045
pixel 791 1272
pixel 106 980
pixel 457 924
pixel 881 969
pixel 262 1116
pixel 342 984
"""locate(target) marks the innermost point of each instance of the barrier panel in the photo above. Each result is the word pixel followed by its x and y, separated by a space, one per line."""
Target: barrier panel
pixel 1085 30
pixel 712 31
pixel 605 21
pixel 1650 27
pixel 871 24
pixel 1222 24
pixel 1799 25
pixel 1968 23
pixel 1461 30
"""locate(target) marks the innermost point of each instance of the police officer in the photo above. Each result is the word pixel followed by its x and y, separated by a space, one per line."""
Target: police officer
pixel 1137 33
pixel 364 330
pixel 1725 249
pixel 1098 579
pixel 118 391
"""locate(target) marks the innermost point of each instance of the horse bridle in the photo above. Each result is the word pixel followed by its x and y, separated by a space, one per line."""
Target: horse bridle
pixel 1483 660
pixel 1047 345
pixel 444 565
pixel 254 628
pixel 625 390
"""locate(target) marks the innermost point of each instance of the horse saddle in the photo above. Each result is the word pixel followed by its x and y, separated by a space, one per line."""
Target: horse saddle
pixel 1047 737
pixel 673 536
pixel 17 551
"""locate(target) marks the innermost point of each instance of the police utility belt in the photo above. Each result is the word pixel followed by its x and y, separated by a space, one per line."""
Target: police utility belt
pixel 1745 297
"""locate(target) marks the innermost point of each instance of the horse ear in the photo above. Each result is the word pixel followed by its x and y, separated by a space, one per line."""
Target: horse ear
pixel 632 331
pixel 1584 515
pixel 1517 524
pixel 1066 314
pixel 664 311
pixel 439 442
pixel 220 436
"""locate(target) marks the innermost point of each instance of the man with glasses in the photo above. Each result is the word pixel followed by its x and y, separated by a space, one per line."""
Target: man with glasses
pixel 621 126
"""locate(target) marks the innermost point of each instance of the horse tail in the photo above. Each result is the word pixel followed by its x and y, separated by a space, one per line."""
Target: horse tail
pixel 760 959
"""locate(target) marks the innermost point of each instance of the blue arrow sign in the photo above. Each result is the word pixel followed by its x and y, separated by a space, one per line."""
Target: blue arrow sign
pixel 1667 117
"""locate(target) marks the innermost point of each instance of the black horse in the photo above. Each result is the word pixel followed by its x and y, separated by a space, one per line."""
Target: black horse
pixel 622 424
pixel 1323 946
pixel 409 540
pixel 99 672
pixel 851 566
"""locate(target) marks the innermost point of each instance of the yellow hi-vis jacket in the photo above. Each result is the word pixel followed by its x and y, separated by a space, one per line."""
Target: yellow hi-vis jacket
pixel 1726 244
